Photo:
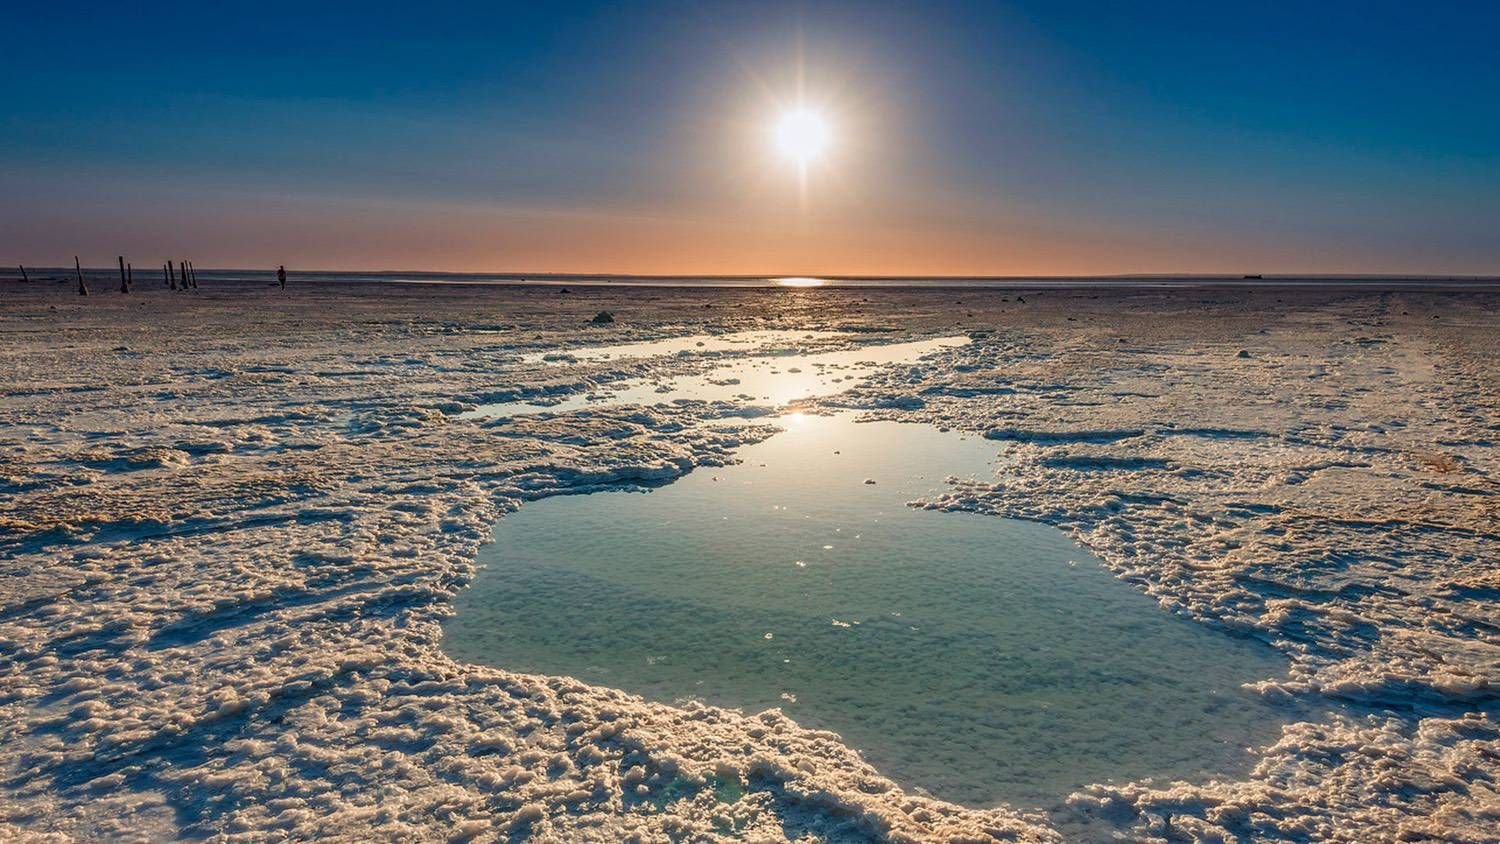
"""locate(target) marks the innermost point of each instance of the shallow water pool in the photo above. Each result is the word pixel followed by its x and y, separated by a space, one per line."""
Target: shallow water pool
pixel 982 659
pixel 735 341
pixel 772 380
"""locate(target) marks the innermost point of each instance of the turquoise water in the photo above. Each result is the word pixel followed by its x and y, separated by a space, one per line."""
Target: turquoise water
pixel 982 659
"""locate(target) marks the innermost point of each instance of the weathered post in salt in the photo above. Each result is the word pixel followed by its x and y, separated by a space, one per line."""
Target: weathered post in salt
pixel 24 277
pixel 124 285
pixel 165 281
pixel 83 289
pixel 193 271
pixel 173 273
pixel 129 275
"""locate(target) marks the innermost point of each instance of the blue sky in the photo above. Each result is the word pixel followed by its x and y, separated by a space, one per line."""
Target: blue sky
pixel 993 138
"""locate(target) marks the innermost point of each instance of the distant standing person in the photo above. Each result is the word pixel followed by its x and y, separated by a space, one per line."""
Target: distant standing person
pixel 281 275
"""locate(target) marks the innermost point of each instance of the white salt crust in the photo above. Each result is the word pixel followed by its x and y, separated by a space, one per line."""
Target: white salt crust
pixel 232 522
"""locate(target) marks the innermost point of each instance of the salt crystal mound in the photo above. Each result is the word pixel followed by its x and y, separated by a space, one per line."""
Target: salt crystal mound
pixel 237 636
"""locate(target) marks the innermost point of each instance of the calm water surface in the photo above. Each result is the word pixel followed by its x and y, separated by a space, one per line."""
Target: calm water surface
pixel 982 659
pixel 734 341
pixel 770 380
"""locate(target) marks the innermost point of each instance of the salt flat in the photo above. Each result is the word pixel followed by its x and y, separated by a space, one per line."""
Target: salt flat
pixel 234 520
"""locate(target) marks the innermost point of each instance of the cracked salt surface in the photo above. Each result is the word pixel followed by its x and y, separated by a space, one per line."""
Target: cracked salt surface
pixel 980 658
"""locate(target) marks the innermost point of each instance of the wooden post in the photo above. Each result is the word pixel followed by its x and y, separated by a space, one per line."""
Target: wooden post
pixel 165 279
pixel 83 289
pixel 124 286
pixel 193 271
pixel 173 272
pixel 24 277
pixel 129 275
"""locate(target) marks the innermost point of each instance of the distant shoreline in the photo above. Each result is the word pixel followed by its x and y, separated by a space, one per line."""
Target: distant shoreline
pixel 1165 281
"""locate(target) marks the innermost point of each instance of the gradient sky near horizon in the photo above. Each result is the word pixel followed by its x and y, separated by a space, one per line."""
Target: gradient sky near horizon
pixel 1003 138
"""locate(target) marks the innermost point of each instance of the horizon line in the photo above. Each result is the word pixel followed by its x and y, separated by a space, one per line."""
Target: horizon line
pixel 605 275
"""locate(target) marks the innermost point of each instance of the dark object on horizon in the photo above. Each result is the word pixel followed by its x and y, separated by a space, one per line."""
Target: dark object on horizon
pixel 1256 275
pixel 83 289
pixel 129 274
pixel 281 276
pixel 564 291
pixel 164 275
pixel 193 272
pixel 603 318
pixel 172 274
pixel 1021 299
pixel 24 277
pixel 124 285
pixel 1244 353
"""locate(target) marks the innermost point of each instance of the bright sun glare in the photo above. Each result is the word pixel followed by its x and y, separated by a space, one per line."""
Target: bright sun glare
pixel 802 134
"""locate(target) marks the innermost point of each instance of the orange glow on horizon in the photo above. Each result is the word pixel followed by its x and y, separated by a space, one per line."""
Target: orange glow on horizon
pixel 249 230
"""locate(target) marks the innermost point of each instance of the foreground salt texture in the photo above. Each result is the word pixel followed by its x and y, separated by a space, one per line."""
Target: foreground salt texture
pixel 231 524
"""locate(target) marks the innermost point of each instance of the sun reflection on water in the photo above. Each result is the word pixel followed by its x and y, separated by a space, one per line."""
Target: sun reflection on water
pixel 799 281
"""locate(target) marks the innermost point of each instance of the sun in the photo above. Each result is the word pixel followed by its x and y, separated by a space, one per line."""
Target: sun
pixel 802 135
